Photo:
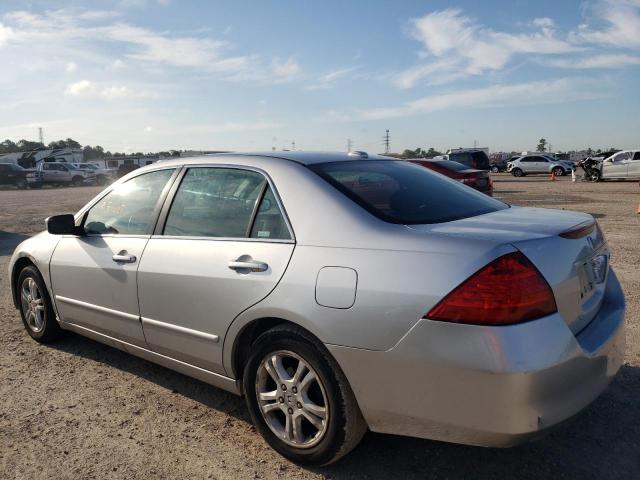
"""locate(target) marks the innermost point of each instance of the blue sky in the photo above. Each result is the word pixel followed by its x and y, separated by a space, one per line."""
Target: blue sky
pixel 148 75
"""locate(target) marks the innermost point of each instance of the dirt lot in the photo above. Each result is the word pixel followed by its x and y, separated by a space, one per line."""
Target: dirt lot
pixel 78 409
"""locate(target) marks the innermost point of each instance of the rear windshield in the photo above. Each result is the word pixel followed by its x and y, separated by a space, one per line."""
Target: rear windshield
pixel 478 159
pixel 402 192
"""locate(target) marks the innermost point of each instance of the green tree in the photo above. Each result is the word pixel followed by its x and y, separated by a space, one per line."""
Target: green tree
pixel 8 146
pixel 542 145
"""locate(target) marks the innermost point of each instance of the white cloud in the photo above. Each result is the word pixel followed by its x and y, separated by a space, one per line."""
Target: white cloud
pixel 328 79
pixel 6 33
pixel 81 88
pixel 89 89
pixel 71 67
pixel 148 128
pixel 285 69
pixel 62 30
pixel 599 61
pixel 541 92
pixel 622 20
pixel 455 45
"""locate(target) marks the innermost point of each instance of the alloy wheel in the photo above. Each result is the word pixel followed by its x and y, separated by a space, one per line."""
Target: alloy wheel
pixel 292 399
pixel 32 304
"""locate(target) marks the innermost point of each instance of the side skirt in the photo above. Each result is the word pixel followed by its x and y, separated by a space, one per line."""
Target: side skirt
pixel 220 381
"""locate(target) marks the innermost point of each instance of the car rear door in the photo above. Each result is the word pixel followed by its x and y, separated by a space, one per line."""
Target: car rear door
pixel 221 245
pixel 94 276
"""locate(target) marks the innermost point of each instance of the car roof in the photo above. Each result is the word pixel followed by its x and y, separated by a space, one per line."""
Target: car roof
pixel 303 158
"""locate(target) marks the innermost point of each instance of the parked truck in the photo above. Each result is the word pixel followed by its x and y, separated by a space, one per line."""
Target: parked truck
pixel 59 173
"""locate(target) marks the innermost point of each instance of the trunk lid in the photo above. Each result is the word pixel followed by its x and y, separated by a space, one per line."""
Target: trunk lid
pixel 575 268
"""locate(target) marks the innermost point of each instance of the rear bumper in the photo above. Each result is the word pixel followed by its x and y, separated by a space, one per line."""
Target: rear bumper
pixel 488 386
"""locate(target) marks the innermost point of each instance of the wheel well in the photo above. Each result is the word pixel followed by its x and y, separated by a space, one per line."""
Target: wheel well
pixel 20 264
pixel 246 337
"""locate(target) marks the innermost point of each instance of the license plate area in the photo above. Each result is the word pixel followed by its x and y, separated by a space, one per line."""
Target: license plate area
pixel 591 273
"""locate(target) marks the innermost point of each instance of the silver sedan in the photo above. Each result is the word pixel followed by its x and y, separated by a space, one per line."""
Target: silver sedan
pixel 337 293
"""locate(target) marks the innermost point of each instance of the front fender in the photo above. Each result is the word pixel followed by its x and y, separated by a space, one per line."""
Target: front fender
pixel 38 250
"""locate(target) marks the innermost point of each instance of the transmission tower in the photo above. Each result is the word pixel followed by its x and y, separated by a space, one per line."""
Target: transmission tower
pixel 386 141
pixel 349 145
pixel 41 136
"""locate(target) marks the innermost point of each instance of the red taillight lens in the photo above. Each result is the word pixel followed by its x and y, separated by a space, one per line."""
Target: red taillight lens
pixel 508 290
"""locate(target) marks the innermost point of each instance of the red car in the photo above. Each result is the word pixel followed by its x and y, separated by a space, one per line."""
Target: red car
pixel 478 179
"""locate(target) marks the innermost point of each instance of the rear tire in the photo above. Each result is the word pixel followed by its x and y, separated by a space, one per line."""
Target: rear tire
pixel 317 404
pixel 21 184
pixel 516 172
pixel 36 309
pixel 101 180
pixel 495 169
pixel 77 181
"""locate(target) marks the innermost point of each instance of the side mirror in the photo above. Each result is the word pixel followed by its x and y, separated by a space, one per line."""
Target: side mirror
pixel 62 225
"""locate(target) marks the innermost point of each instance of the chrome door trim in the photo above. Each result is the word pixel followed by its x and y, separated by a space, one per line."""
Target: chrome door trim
pixel 176 328
pixel 97 308
pixel 207 376
pixel 223 239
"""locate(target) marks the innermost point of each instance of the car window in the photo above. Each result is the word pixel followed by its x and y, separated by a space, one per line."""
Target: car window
pixel 636 156
pixel 402 192
pixel 621 156
pixel 269 221
pixel 214 202
pixel 528 159
pixel 128 208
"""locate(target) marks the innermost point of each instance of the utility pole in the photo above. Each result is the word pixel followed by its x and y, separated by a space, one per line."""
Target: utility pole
pixel 293 145
pixel 41 136
pixel 475 144
pixel 386 141
pixel 348 145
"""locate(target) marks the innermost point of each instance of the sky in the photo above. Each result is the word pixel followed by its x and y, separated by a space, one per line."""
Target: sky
pixel 151 75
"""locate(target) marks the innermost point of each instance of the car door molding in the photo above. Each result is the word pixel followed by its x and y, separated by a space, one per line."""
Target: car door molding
pixel 98 308
pixel 176 328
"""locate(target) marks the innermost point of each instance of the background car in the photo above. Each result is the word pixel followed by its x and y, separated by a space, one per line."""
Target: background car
pixel 532 164
pixel 59 173
pixel 11 174
pixel 472 158
pixel 103 175
pixel 478 179
pixel 621 165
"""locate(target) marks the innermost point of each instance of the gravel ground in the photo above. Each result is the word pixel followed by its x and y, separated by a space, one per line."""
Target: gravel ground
pixel 78 409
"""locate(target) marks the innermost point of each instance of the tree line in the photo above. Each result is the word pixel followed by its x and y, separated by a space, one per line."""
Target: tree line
pixel 9 146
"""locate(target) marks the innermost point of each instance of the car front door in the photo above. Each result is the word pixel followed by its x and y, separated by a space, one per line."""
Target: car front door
pixel 633 170
pixel 94 275
pixel 617 165
pixel 220 247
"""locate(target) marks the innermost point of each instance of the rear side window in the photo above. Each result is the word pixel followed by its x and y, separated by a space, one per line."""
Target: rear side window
pixel 225 203
pixel 401 192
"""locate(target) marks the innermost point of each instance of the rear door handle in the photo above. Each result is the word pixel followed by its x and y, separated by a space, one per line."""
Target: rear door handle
pixel 248 266
pixel 124 257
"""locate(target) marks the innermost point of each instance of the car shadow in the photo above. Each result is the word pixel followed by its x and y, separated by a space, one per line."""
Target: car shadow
pixel 9 241
pixel 601 442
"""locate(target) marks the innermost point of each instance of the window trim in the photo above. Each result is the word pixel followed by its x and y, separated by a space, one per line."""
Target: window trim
pixel 158 231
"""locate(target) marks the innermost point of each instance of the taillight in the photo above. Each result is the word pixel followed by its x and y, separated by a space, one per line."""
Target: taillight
pixel 508 290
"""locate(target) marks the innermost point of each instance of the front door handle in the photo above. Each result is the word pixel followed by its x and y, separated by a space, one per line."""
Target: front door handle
pixel 124 257
pixel 246 266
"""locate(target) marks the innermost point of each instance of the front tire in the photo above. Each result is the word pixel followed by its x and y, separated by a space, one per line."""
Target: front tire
pixel 299 399
pixel 516 172
pixel 558 171
pixel 21 184
pixel 594 175
pixel 36 309
pixel 495 169
pixel 77 181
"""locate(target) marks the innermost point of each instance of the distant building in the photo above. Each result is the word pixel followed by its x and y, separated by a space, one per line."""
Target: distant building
pixel 197 153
